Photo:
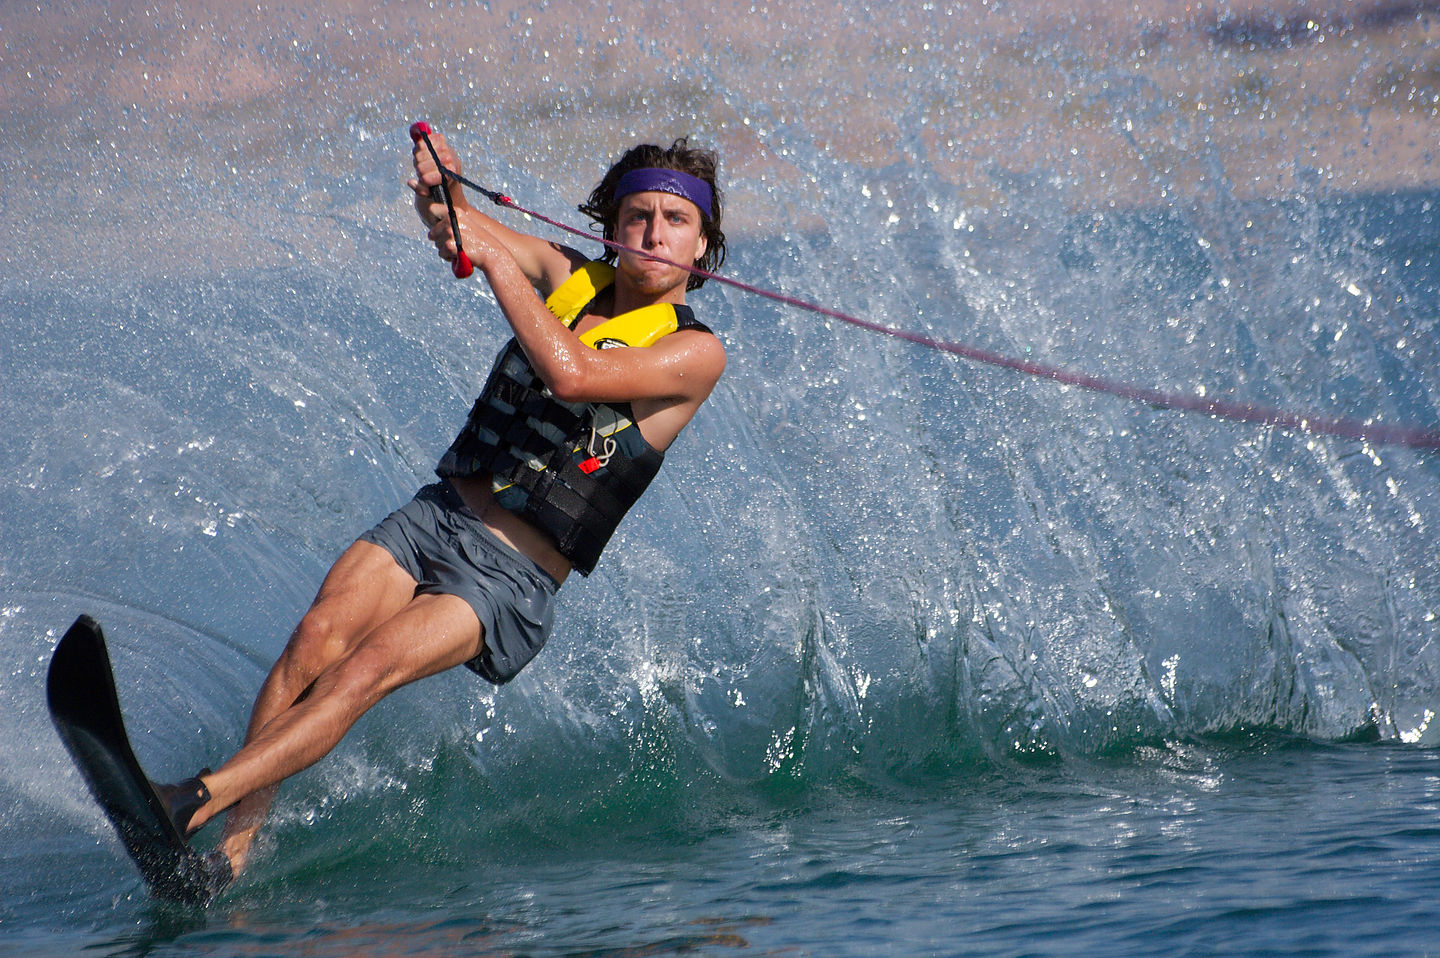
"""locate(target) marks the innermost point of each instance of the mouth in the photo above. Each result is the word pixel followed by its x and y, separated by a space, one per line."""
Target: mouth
pixel 654 264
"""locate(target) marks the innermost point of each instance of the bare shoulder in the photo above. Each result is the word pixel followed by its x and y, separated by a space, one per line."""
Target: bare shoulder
pixel 556 263
pixel 703 354
pixel 679 374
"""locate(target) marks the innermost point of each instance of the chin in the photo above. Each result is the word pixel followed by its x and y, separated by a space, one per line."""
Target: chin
pixel 656 284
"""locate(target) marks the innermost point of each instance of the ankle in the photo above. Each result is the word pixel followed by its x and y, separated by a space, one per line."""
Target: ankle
pixel 184 801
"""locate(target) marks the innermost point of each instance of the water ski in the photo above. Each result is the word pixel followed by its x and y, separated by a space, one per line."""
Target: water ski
pixel 86 713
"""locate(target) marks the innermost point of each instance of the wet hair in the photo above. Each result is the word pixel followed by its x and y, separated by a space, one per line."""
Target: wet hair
pixel 603 208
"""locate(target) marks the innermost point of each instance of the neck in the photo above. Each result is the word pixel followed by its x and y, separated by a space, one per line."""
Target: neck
pixel 628 296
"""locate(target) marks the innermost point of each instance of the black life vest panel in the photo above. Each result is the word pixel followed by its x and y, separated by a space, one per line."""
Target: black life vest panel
pixel 571 470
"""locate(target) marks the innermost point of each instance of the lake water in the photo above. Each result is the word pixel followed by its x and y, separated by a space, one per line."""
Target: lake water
pixel 902 654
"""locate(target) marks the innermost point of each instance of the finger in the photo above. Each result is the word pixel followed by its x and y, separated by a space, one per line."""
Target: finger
pixel 440 230
pixel 448 157
pixel 425 169
pixel 428 176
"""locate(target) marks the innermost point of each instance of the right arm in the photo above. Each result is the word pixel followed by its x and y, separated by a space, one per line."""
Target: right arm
pixel 545 264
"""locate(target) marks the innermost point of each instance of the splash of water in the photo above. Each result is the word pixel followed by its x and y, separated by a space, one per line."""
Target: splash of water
pixel 864 560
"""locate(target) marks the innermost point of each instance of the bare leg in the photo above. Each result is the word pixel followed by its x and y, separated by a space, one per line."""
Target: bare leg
pixel 322 683
pixel 363 588
pixel 433 633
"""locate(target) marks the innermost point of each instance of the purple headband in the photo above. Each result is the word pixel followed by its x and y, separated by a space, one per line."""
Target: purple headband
pixel 681 184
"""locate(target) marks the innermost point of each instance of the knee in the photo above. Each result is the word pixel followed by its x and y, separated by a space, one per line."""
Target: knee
pixel 317 643
pixel 361 678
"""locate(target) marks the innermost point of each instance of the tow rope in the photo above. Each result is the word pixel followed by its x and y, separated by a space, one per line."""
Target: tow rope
pixel 1367 430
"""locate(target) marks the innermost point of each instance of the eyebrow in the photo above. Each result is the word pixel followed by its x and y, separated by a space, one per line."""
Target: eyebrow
pixel 680 204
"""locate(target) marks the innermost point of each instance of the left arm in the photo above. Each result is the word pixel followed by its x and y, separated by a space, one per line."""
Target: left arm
pixel 680 369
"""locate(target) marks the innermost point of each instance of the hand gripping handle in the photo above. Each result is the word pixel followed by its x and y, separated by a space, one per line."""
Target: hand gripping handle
pixel 462 267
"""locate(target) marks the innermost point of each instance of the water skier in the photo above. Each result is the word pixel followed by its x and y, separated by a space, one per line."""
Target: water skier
pixel 565 436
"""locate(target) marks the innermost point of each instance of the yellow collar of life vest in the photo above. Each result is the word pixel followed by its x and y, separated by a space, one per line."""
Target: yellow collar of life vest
pixel 638 327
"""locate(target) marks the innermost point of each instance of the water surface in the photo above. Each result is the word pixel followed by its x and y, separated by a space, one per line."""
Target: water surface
pixel 902 654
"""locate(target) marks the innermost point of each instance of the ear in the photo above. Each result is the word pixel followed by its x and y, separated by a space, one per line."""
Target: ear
pixel 701 245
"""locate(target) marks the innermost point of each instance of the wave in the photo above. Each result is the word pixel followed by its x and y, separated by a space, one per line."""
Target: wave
pixel 864 559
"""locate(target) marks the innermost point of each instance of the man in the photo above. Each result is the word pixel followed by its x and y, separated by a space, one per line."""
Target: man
pixel 564 437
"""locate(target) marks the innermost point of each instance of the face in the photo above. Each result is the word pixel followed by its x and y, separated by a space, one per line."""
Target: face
pixel 662 224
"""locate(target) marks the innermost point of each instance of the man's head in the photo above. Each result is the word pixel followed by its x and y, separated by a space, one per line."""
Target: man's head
pixel 647 167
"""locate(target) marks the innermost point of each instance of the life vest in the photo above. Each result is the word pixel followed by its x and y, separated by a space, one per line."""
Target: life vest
pixel 571 470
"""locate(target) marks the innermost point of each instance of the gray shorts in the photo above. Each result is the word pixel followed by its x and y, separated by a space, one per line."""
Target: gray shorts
pixel 447 549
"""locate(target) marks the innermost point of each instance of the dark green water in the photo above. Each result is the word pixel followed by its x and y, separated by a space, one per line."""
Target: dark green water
pixel 1261 845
